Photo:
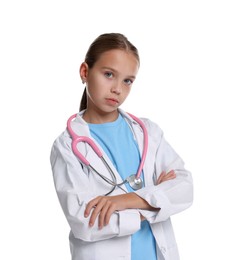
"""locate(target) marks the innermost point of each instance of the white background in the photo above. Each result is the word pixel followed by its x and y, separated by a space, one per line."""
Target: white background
pixel 181 86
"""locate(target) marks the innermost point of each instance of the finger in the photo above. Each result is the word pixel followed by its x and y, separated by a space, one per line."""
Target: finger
pixel 169 176
pixel 91 204
pixel 166 176
pixel 96 211
pixel 111 210
pixel 172 172
pixel 103 213
pixel 161 177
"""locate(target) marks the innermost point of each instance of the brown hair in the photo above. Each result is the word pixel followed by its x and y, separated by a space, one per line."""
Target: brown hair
pixel 106 42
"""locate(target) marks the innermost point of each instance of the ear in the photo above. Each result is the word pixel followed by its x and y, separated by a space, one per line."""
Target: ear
pixel 84 72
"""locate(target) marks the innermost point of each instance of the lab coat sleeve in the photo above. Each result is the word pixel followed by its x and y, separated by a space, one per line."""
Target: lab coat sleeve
pixel 171 196
pixel 74 191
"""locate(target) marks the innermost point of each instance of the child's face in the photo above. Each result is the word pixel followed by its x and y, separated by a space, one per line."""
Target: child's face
pixel 110 79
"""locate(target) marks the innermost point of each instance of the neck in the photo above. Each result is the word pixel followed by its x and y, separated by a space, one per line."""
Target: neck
pixel 93 117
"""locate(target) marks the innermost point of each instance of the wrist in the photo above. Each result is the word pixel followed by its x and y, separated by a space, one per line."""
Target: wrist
pixel 133 201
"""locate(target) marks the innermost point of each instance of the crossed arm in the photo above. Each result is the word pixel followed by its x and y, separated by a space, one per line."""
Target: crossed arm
pixel 104 206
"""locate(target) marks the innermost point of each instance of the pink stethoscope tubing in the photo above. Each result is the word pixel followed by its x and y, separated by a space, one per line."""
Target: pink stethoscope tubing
pixel 134 180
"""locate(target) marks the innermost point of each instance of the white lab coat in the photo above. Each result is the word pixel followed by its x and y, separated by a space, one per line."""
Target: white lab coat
pixel 76 186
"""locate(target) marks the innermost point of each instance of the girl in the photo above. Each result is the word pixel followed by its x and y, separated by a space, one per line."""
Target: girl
pixel 117 222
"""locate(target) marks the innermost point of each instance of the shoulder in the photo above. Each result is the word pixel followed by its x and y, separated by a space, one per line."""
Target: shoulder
pixel 61 143
pixel 151 125
pixel 153 129
pixel 78 126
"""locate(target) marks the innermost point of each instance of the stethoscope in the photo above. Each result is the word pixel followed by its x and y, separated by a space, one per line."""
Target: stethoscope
pixel 135 181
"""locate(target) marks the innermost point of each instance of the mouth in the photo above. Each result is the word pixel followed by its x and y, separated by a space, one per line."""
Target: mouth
pixel 112 101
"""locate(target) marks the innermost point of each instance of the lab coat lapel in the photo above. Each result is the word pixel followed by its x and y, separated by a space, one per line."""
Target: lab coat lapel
pixel 81 128
pixel 99 166
pixel 139 136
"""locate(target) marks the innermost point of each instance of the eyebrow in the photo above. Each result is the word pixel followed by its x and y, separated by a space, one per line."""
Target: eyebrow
pixel 112 69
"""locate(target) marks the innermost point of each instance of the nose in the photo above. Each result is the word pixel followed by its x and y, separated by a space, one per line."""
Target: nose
pixel 116 88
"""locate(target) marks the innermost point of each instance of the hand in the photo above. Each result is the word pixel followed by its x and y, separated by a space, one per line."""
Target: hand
pixel 103 207
pixel 163 177
pixel 166 176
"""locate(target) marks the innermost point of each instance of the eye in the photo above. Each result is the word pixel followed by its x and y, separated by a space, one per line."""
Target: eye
pixel 108 74
pixel 128 81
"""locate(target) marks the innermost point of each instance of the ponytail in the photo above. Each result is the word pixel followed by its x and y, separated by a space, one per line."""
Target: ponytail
pixel 83 102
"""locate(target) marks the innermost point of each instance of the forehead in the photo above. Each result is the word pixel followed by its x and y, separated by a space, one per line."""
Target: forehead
pixel 119 60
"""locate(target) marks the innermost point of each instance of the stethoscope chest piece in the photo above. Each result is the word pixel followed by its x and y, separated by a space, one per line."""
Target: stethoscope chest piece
pixel 135 183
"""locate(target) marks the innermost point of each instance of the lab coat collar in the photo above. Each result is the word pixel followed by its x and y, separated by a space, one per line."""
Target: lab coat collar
pixel 79 118
pixel 80 126
pixel 127 116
